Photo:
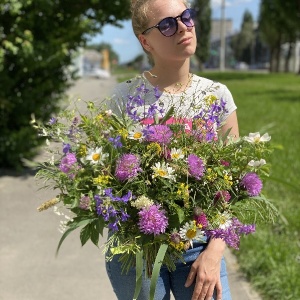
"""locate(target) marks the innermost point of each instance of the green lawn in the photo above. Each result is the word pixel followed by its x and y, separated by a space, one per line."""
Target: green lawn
pixel 271 103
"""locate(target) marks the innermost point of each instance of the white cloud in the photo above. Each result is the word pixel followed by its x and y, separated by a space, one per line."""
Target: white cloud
pixel 120 41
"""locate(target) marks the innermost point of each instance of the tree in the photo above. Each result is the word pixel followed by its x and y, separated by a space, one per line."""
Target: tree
pixel 242 43
pixel 279 23
pixel 203 27
pixel 38 39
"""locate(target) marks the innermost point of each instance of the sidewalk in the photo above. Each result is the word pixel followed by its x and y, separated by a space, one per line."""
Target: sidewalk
pixel 29 269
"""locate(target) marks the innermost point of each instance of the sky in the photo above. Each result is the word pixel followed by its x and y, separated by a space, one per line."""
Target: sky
pixel 126 45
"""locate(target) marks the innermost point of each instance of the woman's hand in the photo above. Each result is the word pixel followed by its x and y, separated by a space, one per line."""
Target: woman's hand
pixel 206 270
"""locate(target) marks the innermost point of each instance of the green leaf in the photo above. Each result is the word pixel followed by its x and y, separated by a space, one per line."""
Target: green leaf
pixel 167 116
pixel 156 268
pixel 85 234
pixel 139 274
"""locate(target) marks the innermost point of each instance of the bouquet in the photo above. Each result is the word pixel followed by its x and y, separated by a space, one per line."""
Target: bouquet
pixel 156 181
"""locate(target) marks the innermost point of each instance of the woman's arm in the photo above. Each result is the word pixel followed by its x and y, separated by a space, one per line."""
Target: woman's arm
pixel 206 268
pixel 232 124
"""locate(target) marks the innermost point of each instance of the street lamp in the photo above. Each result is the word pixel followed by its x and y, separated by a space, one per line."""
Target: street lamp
pixel 222 37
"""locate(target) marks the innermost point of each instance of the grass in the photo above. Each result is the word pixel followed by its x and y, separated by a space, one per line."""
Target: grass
pixel 271 103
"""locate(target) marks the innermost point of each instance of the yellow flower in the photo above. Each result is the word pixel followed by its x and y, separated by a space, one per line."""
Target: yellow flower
pixel 82 151
pixel 154 147
pixel 102 180
pixel 48 204
pixel 211 176
pixel 210 99
pixel 179 246
pixel 123 132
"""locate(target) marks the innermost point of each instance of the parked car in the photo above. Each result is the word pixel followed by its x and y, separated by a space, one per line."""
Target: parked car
pixel 100 73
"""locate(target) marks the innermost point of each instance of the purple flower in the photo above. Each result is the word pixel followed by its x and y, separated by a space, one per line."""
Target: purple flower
pixel 231 235
pixel 128 166
pixel 159 134
pixel 67 162
pixel 196 166
pixel 52 121
pixel 116 142
pixel 252 183
pixel 84 202
pixel 152 220
pixel 66 148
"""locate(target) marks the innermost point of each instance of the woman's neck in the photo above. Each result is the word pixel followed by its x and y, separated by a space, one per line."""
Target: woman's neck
pixel 174 78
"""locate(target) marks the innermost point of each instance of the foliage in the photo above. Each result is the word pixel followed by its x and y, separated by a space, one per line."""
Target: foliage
pixel 38 40
pixel 270 257
pixel 242 43
pixel 203 27
pixel 279 23
pixel 158 180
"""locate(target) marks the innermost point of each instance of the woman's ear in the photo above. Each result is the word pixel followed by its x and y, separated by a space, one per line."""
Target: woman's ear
pixel 144 42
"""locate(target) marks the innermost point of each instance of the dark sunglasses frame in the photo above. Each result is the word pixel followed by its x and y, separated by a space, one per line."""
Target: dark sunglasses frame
pixel 191 12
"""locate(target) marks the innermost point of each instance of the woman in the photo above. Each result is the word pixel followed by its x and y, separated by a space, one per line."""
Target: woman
pixel 166 32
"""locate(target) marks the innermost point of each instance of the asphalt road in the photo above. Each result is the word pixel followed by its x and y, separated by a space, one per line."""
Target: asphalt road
pixel 29 269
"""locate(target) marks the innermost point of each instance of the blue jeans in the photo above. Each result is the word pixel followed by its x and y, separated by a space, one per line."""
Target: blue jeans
pixel 124 284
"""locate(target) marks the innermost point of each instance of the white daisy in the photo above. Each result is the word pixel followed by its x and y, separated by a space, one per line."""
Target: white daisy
pixel 176 154
pixel 256 138
pixel 136 133
pixel 189 232
pixel 163 170
pixel 96 156
pixel 256 163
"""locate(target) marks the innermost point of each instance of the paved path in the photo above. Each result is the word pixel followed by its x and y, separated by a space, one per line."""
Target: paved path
pixel 29 269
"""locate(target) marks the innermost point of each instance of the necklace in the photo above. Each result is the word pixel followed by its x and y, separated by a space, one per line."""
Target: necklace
pixel 180 87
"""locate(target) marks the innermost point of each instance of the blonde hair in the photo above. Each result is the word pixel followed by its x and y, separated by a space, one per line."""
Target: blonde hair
pixel 140 19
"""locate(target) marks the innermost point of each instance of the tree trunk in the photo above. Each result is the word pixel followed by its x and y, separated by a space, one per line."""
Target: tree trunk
pixel 288 58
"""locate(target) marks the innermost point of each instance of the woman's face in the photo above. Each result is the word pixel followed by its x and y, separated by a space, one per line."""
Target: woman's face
pixel 177 47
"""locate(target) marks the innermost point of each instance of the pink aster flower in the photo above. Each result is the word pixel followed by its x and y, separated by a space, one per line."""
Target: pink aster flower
pixel 252 183
pixel 128 166
pixel 196 166
pixel 67 162
pixel 159 134
pixel 152 220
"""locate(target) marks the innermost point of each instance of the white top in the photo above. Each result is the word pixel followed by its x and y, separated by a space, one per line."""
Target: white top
pixel 186 104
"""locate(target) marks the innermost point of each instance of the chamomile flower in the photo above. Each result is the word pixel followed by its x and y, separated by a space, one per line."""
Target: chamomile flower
pixel 189 232
pixel 256 138
pixel 163 170
pixel 224 220
pixel 176 154
pixel 96 156
pixel 136 133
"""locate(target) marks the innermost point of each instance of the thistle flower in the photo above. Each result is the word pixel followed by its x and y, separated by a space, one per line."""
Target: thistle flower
pixel 128 166
pixel 67 162
pixel 201 220
pixel 196 166
pixel 84 202
pixel 159 134
pixel 152 220
pixel 252 183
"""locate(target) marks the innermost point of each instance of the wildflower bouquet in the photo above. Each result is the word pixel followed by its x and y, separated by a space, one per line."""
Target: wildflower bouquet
pixel 157 182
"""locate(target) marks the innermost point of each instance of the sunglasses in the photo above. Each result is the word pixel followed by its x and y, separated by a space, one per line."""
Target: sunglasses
pixel 169 26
